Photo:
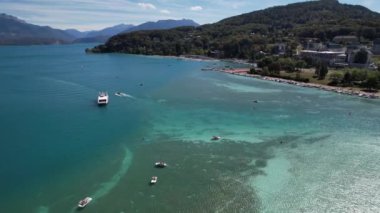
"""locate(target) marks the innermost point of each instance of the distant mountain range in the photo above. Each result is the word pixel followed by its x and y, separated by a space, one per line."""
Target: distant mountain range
pixel 16 31
pixel 163 25
pixel 245 35
pixel 105 34
pixel 109 31
pixel 97 35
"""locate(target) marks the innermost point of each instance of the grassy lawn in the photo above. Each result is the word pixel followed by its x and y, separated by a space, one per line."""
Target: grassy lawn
pixel 309 73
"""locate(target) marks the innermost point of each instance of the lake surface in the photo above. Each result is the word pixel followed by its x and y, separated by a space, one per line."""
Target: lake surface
pixel 296 150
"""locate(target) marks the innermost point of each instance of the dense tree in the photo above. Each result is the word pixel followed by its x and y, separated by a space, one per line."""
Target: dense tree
pixel 266 61
pixel 321 70
pixel 275 67
pixel 359 77
pixel 347 78
pixel 361 57
pixel 300 64
pixel 372 82
pixel 336 77
pixel 287 64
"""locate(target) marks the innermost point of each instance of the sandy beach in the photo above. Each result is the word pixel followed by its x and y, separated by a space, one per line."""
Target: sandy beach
pixel 340 90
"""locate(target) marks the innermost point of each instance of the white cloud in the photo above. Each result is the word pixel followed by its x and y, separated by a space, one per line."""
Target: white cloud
pixel 196 8
pixel 147 6
pixel 165 11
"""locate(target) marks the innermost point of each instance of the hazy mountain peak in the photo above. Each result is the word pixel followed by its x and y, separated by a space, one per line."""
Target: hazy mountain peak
pixel 163 24
pixel 13 18
pixel 16 31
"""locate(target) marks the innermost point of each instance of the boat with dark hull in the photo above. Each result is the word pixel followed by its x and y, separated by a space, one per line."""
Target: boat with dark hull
pixel 160 164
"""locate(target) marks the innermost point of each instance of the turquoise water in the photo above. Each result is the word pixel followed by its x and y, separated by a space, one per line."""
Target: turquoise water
pixel 296 150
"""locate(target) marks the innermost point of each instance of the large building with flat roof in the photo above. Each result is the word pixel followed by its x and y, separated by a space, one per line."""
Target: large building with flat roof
pixel 338 57
pixel 328 57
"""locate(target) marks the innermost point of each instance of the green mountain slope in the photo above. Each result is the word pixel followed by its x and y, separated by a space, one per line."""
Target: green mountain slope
pixel 244 35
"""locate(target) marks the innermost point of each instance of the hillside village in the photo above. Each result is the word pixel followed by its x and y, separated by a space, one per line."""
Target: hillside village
pixel 351 62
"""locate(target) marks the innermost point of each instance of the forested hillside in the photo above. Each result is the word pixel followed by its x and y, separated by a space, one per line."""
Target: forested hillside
pixel 244 35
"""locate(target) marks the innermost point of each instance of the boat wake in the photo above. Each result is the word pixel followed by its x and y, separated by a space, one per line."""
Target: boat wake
pixel 109 185
pixel 106 187
pixel 64 82
pixel 121 94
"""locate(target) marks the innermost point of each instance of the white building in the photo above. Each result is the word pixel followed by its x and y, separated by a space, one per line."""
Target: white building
pixel 329 57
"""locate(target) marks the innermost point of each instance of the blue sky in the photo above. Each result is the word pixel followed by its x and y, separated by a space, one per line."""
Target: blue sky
pixel 97 14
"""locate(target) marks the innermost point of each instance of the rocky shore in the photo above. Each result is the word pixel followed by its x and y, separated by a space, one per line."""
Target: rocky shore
pixel 340 90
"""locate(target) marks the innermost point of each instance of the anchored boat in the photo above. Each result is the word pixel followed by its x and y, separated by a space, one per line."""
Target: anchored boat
pixel 153 180
pixel 160 164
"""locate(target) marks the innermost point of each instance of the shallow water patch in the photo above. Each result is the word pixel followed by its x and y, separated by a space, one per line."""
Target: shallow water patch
pixel 200 177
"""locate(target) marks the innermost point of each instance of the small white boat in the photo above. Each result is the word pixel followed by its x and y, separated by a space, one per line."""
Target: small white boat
pixel 84 202
pixel 103 98
pixel 160 164
pixel 215 138
pixel 153 180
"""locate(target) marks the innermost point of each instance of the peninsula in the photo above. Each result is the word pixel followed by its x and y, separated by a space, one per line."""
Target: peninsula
pixel 339 42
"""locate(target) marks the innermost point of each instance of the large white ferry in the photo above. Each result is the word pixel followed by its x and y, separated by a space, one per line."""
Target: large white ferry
pixel 103 98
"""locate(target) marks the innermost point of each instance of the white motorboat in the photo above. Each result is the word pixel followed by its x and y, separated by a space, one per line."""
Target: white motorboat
pixel 160 164
pixel 83 203
pixel 153 180
pixel 103 98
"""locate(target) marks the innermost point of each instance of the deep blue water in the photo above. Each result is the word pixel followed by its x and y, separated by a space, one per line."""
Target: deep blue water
pixel 57 145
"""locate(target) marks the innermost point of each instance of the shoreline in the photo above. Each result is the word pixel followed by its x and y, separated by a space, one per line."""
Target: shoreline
pixel 244 72
pixel 340 90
